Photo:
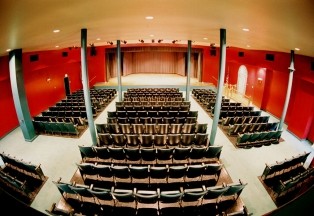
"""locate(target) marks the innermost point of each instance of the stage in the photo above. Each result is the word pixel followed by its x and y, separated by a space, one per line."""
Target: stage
pixel 153 80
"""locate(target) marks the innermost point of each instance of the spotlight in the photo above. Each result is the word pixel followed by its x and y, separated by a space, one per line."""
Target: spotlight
pixel 160 40
pixel 110 42
pixel 153 40
pixel 141 40
pixel 212 44
pixel 174 41
pixel 124 41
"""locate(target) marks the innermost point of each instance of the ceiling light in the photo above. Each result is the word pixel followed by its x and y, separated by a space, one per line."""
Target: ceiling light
pixel 151 35
pixel 246 29
pixel 8 50
pixel 98 39
pixel 141 40
pixel 125 42
pixel 297 49
pixel 57 46
pixel 248 46
pixel 56 31
pixel 205 38
pixel 149 17
pixel 160 40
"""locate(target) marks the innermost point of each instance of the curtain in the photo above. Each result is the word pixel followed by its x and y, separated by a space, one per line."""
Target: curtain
pixel 152 62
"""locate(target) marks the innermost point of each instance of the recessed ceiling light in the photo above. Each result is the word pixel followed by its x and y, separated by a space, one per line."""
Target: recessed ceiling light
pixel 149 17
pixel 246 29
pixel 248 46
pixel 57 46
pixel 98 39
pixel 56 30
pixel 152 35
pixel 205 38
pixel 8 50
pixel 297 49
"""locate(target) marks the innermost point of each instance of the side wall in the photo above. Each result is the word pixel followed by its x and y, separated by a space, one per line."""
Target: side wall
pixel 44 81
pixel 269 92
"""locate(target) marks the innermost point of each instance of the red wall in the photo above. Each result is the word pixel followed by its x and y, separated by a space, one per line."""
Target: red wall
pixel 270 94
pixel 44 80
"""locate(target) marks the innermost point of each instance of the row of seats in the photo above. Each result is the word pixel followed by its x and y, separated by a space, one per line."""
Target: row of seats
pixel 295 182
pixel 200 93
pixel 22 166
pixel 147 176
pixel 169 98
pixel 20 179
pixel 67 121
pixel 154 107
pixel 94 92
pixel 80 112
pixel 244 120
pixel 119 155
pixel 152 120
pixel 150 140
pixel 238 121
pixel 238 113
pixel 60 128
pixel 251 128
pixel 11 183
pixel 258 139
pixel 119 201
pixel 152 113
pixel 232 106
pixel 151 128
pixel 153 103
pixel 280 167
pixel 152 90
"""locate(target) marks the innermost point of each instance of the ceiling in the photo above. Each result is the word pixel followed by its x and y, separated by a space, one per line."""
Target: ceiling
pixel 275 25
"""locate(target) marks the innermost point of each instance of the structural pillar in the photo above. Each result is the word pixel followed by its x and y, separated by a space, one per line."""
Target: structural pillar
pixel 221 77
pixel 285 107
pixel 119 70
pixel 85 80
pixel 19 95
pixel 187 91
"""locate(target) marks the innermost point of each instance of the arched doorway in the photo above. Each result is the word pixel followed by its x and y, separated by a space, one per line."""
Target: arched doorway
pixel 242 80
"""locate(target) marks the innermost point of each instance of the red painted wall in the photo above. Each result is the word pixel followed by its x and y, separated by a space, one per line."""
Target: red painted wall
pixel 270 94
pixel 44 80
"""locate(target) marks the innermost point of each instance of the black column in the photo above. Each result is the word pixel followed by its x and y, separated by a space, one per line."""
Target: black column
pixel 67 85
